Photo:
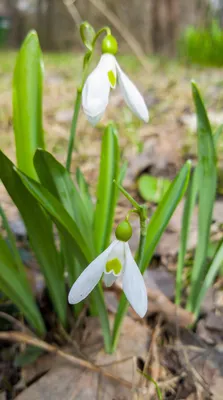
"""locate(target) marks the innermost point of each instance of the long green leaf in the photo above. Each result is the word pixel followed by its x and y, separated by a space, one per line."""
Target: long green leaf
pixel 27 103
pixel 107 191
pixel 82 252
pixel 156 227
pixel 209 278
pixel 40 233
pixel 59 215
pixel 16 287
pixel 207 182
pixel 57 180
pixel 185 227
pixel 85 194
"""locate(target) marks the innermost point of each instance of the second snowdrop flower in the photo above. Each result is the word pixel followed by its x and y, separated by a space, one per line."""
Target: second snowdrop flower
pixel 96 90
pixel 116 261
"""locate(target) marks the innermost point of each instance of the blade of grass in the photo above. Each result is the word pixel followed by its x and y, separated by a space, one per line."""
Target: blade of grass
pixel 207 182
pixel 27 103
pixel 107 191
pixel 209 278
pixel 185 227
pixel 14 285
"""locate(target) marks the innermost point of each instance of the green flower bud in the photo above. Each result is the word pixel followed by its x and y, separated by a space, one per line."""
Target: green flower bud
pixel 87 33
pixel 109 45
pixel 123 231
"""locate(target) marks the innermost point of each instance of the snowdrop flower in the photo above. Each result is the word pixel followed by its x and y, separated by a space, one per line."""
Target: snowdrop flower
pixel 95 95
pixel 116 261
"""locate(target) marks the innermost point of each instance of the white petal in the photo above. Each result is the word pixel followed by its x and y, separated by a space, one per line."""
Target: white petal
pixel 134 285
pixel 95 94
pixel 109 279
pixel 89 278
pixel 96 89
pixel 118 251
pixel 132 96
pixel 108 64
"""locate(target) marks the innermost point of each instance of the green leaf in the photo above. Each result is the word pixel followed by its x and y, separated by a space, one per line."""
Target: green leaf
pixel 106 191
pixel 27 357
pixel 12 242
pixel 150 379
pixel 68 226
pixel 207 182
pixel 85 194
pixel 27 103
pixel 152 188
pixel 57 180
pixel 40 233
pixel 15 285
pixel 185 227
pixel 217 135
pixel 156 227
pixel 164 212
pixel 213 270
pixel 87 33
pixel 59 215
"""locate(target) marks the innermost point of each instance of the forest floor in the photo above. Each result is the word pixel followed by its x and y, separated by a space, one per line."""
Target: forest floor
pixel 187 364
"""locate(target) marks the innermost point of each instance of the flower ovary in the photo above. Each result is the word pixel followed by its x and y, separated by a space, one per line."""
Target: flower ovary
pixel 123 231
pixel 109 45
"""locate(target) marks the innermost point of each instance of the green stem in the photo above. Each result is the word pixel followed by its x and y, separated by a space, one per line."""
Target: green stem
pixel 123 304
pixel 73 128
pixel 98 297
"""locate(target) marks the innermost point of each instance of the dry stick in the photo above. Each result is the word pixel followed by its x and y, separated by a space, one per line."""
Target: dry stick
pixel 171 312
pixel 124 32
pixel 23 338
pixel 16 322
pixel 155 366
pixel 73 11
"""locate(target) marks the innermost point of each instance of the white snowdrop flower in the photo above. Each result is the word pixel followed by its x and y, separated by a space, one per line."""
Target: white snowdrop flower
pixel 115 261
pixel 95 95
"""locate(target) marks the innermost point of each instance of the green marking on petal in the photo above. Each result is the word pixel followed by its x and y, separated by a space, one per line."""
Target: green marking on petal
pixel 112 78
pixel 113 265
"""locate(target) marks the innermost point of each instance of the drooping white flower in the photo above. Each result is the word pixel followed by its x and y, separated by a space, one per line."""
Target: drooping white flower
pixel 115 261
pixel 95 95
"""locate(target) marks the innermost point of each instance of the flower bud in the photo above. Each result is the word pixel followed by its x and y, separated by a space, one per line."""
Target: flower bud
pixel 109 45
pixel 87 33
pixel 123 231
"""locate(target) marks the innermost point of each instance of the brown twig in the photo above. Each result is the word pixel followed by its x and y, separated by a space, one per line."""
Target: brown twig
pixel 73 11
pixel 18 324
pixel 153 358
pixel 23 338
pixel 170 312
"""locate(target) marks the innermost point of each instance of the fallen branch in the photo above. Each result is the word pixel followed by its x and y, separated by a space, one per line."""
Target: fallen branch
pixel 170 311
pixel 23 338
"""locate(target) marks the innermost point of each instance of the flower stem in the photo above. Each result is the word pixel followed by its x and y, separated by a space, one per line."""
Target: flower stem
pixel 73 128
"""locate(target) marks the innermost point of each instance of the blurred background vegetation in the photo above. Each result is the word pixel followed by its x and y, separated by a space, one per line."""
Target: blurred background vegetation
pixel 190 29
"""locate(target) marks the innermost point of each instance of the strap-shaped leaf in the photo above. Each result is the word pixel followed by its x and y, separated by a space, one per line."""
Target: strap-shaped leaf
pixel 163 213
pixel 207 182
pixel 189 205
pixel 27 103
pixel 107 190
pixel 58 181
pixel 59 215
pixel 15 285
pixel 40 233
